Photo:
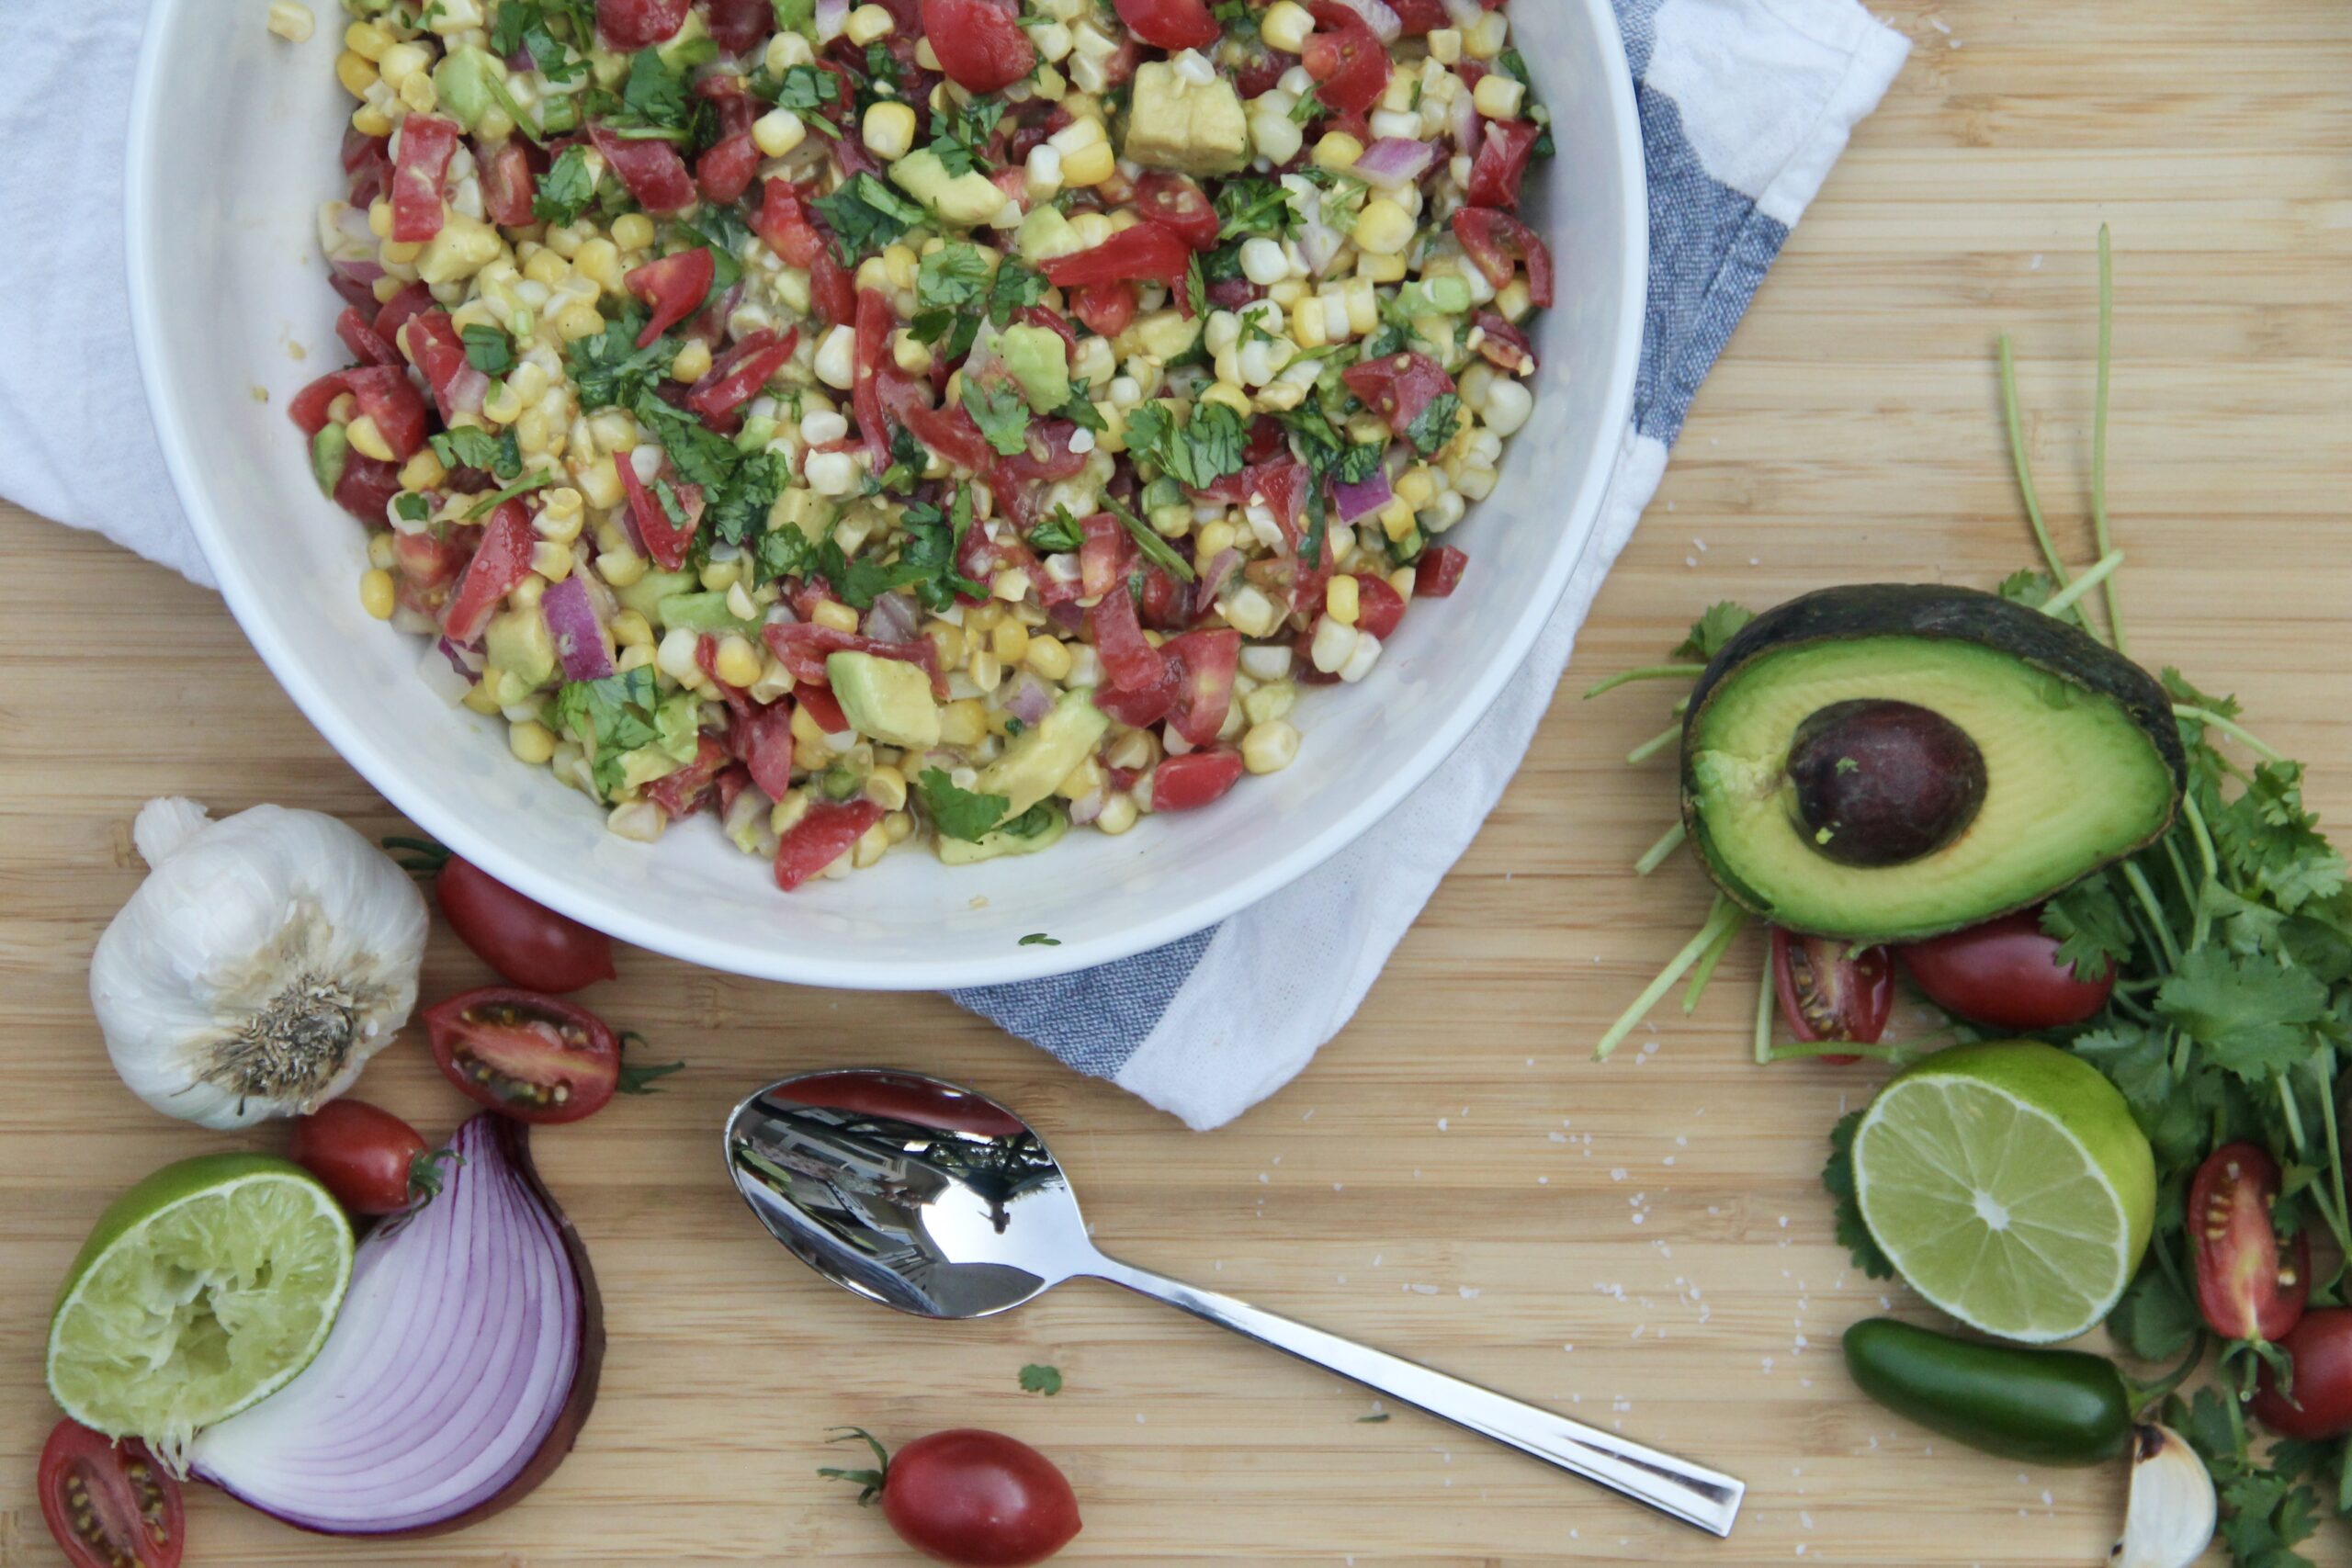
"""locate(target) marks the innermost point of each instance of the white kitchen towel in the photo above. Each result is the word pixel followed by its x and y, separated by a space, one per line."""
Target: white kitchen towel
pixel 1745 105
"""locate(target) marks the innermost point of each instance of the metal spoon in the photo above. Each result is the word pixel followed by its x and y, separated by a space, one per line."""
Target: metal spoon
pixel 939 1202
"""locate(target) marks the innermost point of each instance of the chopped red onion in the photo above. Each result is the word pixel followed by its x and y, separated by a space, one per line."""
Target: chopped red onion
pixel 833 17
pixel 580 639
pixel 466 660
pixel 358 271
pixel 1087 807
pixel 1464 14
pixel 892 619
pixel 1462 123
pixel 1028 700
pixel 1221 566
pixel 457 1377
pixel 1395 162
pixel 1383 21
pixel 1365 495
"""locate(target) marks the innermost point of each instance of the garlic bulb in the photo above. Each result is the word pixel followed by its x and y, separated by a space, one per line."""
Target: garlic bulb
pixel 261 963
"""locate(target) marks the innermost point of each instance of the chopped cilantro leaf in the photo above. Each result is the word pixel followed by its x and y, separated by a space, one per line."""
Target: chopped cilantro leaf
pixel 1247 205
pixel 1018 285
pixel 411 507
pixel 488 349
pixel 1713 628
pixel 700 454
pixel 1039 939
pixel 1435 425
pixel 954 274
pixel 471 447
pixel 1155 549
pixel 566 189
pixel 1196 293
pixel 1196 454
pixel 610 717
pixel 1057 535
pixel 524 486
pixel 609 370
pixel 1839 1177
pixel 867 215
pixel 1001 413
pixel 958 813
pixel 1036 1378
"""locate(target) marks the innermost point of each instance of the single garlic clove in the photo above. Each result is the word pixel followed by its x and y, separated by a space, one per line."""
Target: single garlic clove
pixel 2170 1517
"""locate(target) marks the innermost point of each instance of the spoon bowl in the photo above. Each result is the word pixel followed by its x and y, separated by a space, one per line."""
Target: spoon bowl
pixel 937 1201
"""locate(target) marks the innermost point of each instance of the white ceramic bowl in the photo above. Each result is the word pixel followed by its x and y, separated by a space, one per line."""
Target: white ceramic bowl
pixel 233 145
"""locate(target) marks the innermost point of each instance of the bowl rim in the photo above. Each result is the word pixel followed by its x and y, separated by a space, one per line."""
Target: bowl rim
pixel 772 959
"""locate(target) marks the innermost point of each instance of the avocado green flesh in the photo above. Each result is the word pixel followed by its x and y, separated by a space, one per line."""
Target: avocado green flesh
pixel 2071 783
pixel 993 846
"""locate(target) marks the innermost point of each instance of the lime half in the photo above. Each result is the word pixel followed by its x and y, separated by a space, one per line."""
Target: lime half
pixel 203 1288
pixel 2010 1186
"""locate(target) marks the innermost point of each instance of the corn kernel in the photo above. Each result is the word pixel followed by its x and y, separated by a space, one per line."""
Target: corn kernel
pixel 419 94
pixel 738 664
pixel 835 614
pixel 1118 815
pixel 620 568
pixel 987 671
pixel 1271 747
pixel 887 787
pixel 787 813
pixel 1396 519
pixel 631 629
pixel 531 741
pixel 1134 750
pixel 776 133
pixel 1380 269
pixel 868 23
pixel 1484 38
pixel 369 121
pixel 911 352
pixel 1285 25
pixel 1414 488
pixel 577 321
pixel 479 697
pixel 962 722
pixel 599 260
pixel 1228 394
pixel 1445 45
pixel 367 40
pixel 898 827
pixel 1009 641
pixel 376 595
pixel 632 231
pixel 291 20
pixel 1090 166
pixel 1340 599
pixel 889 127
pixel 546 266
pixel 401 61
pixel 367 440
pixel 1338 151
pixel 692 363
pixel 356 71
pixel 1498 97
pixel 1049 657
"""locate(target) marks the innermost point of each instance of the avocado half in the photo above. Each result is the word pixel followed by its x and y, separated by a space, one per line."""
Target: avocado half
pixel 2081 757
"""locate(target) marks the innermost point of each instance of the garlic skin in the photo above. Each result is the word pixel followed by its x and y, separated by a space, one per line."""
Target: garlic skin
pixel 261 963
pixel 2170 1519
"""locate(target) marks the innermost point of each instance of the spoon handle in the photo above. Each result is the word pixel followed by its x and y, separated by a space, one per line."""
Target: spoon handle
pixel 1688 1492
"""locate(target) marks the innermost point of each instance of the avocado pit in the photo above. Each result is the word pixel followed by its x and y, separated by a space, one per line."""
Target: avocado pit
pixel 1879 782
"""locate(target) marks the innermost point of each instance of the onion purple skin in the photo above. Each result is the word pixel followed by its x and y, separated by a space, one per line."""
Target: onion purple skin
pixel 511 1141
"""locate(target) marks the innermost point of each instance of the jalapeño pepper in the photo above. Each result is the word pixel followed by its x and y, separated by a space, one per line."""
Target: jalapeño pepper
pixel 2045 1406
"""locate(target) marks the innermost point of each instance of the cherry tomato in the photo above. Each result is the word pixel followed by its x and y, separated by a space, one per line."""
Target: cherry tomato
pixel 508 183
pixel 1378 606
pixel 2004 973
pixel 500 564
pixel 651 171
pixel 1440 572
pixel 426 145
pixel 739 375
pixel 359 336
pixel 1502 164
pixel 1105 308
pixel 666 540
pixel 1205 662
pixel 111 1505
pixel 980 47
pixel 1182 783
pixel 2320 1406
pixel 1148 250
pixel 1497 243
pixel 672 288
pixel 524 1054
pixel 525 941
pixel 2244 1288
pixel 1168 24
pixel 1348 61
pixel 1827 993
pixel 739 25
pixel 1178 201
pixel 1504 345
pixel 1129 662
pixel 825 832
pixel 368 1157
pixel 1399 386
pixel 977 1499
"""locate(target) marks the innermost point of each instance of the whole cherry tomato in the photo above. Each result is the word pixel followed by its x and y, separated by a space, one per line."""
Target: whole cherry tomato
pixel 372 1161
pixel 2005 973
pixel 525 941
pixel 974 1498
pixel 2320 1405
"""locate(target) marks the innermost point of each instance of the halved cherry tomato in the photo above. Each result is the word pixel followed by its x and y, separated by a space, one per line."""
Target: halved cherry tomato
pixel 383 394
pixel 803 646
pixel 1107 309
pixel 1179 202
pixel 1378 606
pixel 507 182
pixel 737 376
pixel 1399 386
pixel 824 709
pixel 980 47
pixel 368 1157
pixel 666 540
pixel 1193 780
pixel 366 488
pixel 426 144
pixel 2246 1288
pixel 530 1056
pixel 875 321
pixel 1171 25
pixel 682 794
pixel 2320 1406
pixel 949 431
pixel 1148 250
pixel 832 288
pixel 109 1505
pixel 1496 243
pixel 1504 345
pixel 1206 661
pixel 1129 662
pixel 1417 18
pixel 525 942
pixel 762 736
pixel 785 224
pixel 651 171
pixel 414 299
pixel 724 170
pixel 1828 994
pixel 1439 572
pixel 631 25
pixel 1104 551
pixel 826 831
pixel 432 343
pixel 426 565
pixel 738 24
pixel 500 564
pixel 1503 148
pixel 2005 973
pixel 1346 58
pixel 672 288
pixel 360 336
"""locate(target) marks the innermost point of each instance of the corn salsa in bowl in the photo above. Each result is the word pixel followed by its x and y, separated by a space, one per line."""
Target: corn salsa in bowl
pixel 944 424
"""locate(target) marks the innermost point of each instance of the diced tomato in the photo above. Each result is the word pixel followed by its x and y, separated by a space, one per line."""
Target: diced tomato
pixel 1139 709
pixel 946 431
pixel 825 832
pixel 309 407
pixel 1104 552
pixel 807 592
pixel 1171 25
pixel 507 182
pixel 824 709
pixel 1266 438
pixel 1021 478
pixel 1205 689
pixel 1261 71
pixel 762 735
pixel 665 540
pixel 1178 202
pixel 1440 572
pixel 1148 250
pixel 1166 606
pixel 692 787
pixel 739 25
pixel 400 309
pixel 500 562
pixel 801 647
pixel 1129 662
pixel 426 143
pixel 1378 606
pixel 366 488
pixel 431 342
pixel 1501 162
pixel 631 25
pixel 875 321
pixel 725 167
pixel 425 564
pixel 672 288
pixel 1399 386
pixel 785 225
pixel 1346 58
pixel 980 47
pixel 832 289
pixel 367 165
pixel 737 376
pixel 1496 243
pixel 1183 784
pixel 385 395
pixel 651 171
pixel 1416 18
pixel 1505 344
pixel 359 336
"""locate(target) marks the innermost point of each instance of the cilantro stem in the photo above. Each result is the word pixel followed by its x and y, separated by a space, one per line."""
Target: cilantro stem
pixel 1720 913
pixel 2024 467
pixel 2145 1396
pixel 2101 570
pixel 1765 1000
pixel 2147 896
pixel 1654 744
pixel 2294 1115
pixel 2227 726
pixel 1647 673
pixel 1155 548
pixel 2099 434
pixel 1708 959
pixel 1802 1050
pixel 2323 1069
pixel 1655 856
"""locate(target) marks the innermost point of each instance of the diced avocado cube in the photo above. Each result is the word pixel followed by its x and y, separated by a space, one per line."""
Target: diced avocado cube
pixel 462 82
pixel 1038 759
pixel 520 645
pixel 1195 128
pixel 1046 234
pixel 969 199
pixel 1166 335
pixel 703 612
pixel 1039 360
pixel 991 845
pixel 884 699
pixel 644 595
pixel 329 449
pixel 921 175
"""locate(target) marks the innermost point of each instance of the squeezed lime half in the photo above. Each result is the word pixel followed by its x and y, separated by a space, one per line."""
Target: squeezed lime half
pixel 201 1291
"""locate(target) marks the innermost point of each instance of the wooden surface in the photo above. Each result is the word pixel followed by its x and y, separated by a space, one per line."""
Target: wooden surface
pixel 1641 1243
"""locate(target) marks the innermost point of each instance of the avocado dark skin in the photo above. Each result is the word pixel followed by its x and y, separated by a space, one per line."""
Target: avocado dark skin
pixel 1883 783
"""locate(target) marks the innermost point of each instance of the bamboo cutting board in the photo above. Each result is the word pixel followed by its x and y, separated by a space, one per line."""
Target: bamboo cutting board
pixel 1644 1242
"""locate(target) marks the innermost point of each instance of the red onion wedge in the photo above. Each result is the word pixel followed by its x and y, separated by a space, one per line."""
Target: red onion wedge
pixel 462 1367
pixel 1368 494
pixel 579 635
pixel 1395 162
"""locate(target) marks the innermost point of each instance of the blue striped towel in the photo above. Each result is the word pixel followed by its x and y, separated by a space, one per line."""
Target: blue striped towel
pixel 1745 105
